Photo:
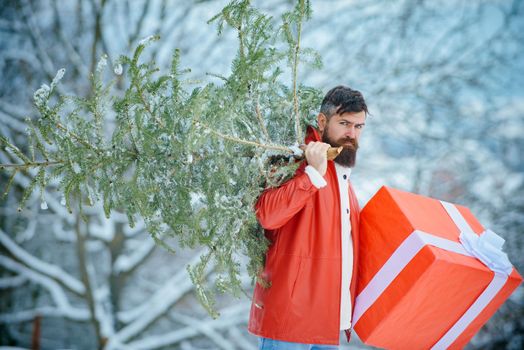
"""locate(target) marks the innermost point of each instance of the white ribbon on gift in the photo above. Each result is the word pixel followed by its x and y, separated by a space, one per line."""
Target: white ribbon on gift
pixel 486 249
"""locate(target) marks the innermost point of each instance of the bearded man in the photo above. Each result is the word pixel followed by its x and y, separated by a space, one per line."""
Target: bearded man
pixel 312 223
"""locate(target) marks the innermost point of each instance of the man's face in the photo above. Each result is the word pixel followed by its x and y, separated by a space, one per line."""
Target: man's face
pixel 343 130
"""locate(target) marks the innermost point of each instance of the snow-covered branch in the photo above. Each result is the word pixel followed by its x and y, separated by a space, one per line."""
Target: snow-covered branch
pixel 51 271
pixel 204 328
pixel 89 282
pixel 231 317
pixel 37 40
pixel 55 289
pixel 155 306
pixel 127 263
pixel 21 316
pixel 8 120
pixel 72 53
pixel 12 282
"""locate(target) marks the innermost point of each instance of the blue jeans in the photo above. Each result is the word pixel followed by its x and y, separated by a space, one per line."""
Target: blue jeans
pixel 272 344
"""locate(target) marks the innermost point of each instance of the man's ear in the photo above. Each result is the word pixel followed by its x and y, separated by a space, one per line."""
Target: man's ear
pixel 321 121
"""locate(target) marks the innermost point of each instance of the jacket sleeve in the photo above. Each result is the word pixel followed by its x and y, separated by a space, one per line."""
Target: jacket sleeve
pixel 276 206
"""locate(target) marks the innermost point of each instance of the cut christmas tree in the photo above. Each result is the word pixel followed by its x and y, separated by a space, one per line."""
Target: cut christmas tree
pixel 189 161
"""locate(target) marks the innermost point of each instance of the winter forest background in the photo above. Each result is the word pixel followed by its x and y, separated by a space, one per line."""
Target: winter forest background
pixel 443 81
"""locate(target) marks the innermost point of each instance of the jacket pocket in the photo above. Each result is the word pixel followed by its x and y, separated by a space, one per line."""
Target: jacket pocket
pixel 293 305
pixel 296 277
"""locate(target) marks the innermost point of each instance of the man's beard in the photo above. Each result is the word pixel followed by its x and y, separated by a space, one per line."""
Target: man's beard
pixel 348 156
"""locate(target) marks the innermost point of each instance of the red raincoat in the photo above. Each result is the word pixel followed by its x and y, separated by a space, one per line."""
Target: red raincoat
pixel 304 260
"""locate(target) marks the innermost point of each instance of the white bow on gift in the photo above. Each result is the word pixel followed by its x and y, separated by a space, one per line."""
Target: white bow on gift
pixel 487 248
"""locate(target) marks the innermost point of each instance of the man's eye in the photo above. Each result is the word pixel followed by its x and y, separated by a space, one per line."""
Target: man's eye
pixel 359 126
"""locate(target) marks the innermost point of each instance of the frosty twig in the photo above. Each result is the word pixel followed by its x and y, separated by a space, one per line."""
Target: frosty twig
pixel 245 142
pixel 295 66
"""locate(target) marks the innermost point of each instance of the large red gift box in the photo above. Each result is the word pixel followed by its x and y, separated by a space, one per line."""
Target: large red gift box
pixel 429 274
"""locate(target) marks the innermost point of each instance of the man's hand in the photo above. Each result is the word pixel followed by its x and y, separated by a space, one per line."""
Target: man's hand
pixel 316 156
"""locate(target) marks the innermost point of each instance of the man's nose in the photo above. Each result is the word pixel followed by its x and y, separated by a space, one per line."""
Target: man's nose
pixel 351 132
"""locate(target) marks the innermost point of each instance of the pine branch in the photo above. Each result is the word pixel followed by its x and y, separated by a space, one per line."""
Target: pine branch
pixel 9 183
pixel 146 104
pixel 244 142
pixel 298 129
pixel 261 121
pixel 31 164
pixel 77 138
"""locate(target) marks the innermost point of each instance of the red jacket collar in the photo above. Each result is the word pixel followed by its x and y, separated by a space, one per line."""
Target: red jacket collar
pixel 312 134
